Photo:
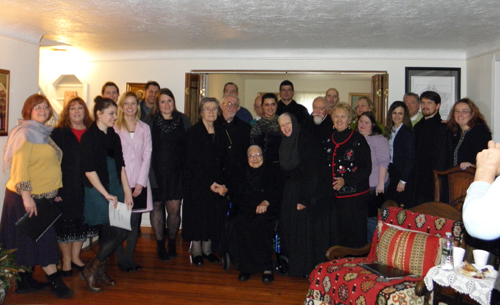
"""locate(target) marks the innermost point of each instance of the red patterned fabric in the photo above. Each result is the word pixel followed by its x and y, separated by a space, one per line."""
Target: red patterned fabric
pixel 409 251
pixel 342 281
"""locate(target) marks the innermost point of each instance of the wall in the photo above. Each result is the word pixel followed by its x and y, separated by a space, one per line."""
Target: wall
pixel 171 72
pixel 483 88
pixel 21 58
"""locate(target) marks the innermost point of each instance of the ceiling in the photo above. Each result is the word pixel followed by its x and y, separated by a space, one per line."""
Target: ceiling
pixel 322 28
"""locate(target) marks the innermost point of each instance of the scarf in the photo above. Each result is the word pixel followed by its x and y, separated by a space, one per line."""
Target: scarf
pixel 27 130
pixel 289 147
pixel 166 125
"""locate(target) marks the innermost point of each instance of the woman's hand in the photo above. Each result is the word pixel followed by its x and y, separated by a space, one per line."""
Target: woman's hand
pixel 401 187
pixel 137 190
pixel 110 197
pixel 58 199
pixel 380 189
pixel 29 203
pixel 218 188
pixel 128 200
pixel 300 207
pixel 338 183
pixel 262 207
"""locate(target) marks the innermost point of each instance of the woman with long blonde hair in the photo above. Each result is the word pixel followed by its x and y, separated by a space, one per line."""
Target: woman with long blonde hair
pixel 135 136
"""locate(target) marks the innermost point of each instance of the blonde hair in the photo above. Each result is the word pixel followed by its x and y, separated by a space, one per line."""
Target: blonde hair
pixel 120 121
pixel 345 107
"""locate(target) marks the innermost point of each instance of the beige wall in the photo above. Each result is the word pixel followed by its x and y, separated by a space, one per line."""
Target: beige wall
pixel 21 58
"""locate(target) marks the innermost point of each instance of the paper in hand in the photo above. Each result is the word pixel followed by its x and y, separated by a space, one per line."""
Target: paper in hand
pixel 119 217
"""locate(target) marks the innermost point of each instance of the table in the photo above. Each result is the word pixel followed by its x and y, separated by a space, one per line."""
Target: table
pixel 478 289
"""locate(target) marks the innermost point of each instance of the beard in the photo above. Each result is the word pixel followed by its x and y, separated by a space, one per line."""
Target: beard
pixel 318 118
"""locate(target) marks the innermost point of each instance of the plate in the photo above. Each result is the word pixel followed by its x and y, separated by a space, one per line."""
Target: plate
pixel 490 275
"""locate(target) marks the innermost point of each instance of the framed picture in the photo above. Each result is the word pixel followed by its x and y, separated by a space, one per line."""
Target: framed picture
pixel 4 101
pixel 444 81
pixel 353 98
pixel 137 88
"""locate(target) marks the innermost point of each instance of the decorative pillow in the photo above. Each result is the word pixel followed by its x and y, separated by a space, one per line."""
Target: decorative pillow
pixel 406 250
pixel 406 219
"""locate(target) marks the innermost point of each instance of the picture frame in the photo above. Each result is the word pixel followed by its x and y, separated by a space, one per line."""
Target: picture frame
pixel 353 98
pixel 137 88
pixel 4 101
pixel 444 81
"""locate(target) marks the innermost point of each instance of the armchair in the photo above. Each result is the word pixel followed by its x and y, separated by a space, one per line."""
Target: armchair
pixel 451 185
pixel 405 239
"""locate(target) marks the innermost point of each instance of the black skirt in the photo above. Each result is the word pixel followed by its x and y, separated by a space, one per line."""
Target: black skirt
pixel 29 253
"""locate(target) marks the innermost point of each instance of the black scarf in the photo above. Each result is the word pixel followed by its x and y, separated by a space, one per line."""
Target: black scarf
pixel 166 125
pixel 289 148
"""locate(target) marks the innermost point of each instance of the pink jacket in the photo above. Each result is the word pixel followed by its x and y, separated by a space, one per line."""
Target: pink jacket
pixel 137 156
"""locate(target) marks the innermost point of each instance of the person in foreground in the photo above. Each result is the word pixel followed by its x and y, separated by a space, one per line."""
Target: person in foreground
pixel 105 180
pixel 257 205
pixel 35 174
pixel 481 208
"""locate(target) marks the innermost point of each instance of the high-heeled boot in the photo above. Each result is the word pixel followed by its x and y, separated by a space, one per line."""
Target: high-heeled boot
pixel 172 252
pixel 162 251
pixel 58 287
pixel 91 273
pixel 103 276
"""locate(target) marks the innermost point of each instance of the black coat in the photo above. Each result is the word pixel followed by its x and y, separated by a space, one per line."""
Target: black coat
pixel 203 210
pixel 298 110
pixel 237 141
pixel 72 192
pixel 430 137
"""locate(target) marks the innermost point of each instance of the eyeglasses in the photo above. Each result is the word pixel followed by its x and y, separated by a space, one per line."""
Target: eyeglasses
pixel 257 155
pixel 464 112
pixel 210 109
pixel 234 105
pixel 40 107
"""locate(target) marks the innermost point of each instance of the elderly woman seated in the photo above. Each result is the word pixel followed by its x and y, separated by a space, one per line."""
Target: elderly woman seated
pixel 257 206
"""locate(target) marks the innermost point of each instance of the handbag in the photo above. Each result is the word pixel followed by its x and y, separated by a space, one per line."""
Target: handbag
pixel 140 202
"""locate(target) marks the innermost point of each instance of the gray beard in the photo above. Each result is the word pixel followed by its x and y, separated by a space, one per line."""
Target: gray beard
pixel 317 119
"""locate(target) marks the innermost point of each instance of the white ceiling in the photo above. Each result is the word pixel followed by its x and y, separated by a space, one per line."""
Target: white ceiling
pixel 321 28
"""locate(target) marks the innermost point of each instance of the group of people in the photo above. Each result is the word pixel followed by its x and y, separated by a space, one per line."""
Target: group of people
pixel 316 179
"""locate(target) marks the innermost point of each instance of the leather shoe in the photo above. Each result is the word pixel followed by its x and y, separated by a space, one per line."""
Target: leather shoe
pixel 197 260
pixel 211 258
pixel 267 277
pixel 243 277
pixel 68 273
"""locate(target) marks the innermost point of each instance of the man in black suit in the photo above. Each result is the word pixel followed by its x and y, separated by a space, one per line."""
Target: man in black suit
pixel 287 104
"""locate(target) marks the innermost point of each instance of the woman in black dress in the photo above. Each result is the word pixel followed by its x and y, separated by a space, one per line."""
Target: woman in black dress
pixel 71 231
pixel 204 208
pixel 351 167
pixel 257 206
pixel 105 180
pixel 304 219
pixel 168 130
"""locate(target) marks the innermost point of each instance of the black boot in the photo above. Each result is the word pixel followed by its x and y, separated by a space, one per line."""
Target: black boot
pixel 58 287
pixel 162 252
pixel 28 284
pixel 171 248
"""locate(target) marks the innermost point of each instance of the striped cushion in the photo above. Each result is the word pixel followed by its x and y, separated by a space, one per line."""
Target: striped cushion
pixel 406 250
